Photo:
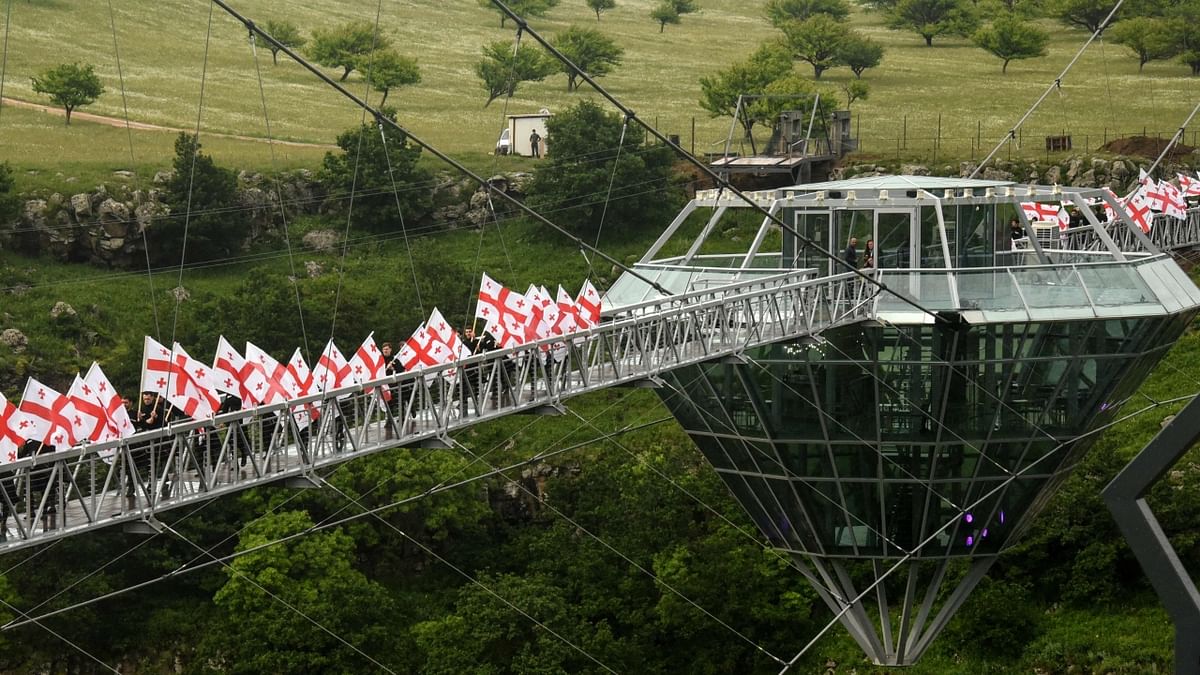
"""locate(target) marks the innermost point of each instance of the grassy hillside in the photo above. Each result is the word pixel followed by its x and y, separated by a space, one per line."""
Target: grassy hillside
pixel 162 45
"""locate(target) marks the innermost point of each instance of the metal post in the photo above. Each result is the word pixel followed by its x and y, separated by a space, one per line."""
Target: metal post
pixel 1126 499
pixel 904 131
pixel 693 134
pixel 937 143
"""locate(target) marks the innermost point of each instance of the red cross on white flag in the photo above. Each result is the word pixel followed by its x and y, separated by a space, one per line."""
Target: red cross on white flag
pixel 444 335
pixel 414 353
pixel 1174 204
pixel 1190 186
pixel 332 370
pixel 505 313
pixel 116 415
pixel 367 363
pixel 568 313
pixel 268 380
pixel 230 372
pixel 49 415
pixel 11 437
pixel 1138 208
pixel 588 303
pixel 89 422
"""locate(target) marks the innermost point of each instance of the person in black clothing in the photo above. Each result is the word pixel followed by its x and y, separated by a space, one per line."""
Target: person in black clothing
pixel 1015 230
pixel 535 144
pixel 851 254
pixel 153 413
pixel 238 442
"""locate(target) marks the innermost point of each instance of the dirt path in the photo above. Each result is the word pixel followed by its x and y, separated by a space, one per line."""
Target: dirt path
pixel 142 126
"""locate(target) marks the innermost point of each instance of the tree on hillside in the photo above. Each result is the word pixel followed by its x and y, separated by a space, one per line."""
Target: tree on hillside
pixel 855 90
pixel 780 12
pixel 286 33
pixel 818 40
pixel 70 85
pixel 363 165
pixel 526 9
pixel 385 70
pixel 501 71
pixel 199 195
pixel 1009 38
pixel 345 46
pixel 1147 37
pixel 932 18
pixel 672 11
pixel 860 53
pixel 269 593
pixel 598 6
pixel 720 92
pixel 1087 14
pixel 1183 33
pixel 585 162
pixel 793 92
pixel 592 51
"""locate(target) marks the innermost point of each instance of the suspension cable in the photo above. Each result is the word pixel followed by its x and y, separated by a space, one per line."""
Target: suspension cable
pixel 1174 139
pixel 704 168
pixel 287 235
pixel 4 54
pixel 459 166
pixel 112 20
pixel 1012 133
pixel 412 265
pixel 612 178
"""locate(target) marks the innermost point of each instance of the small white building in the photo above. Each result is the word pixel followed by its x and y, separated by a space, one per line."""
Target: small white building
pixel 515 137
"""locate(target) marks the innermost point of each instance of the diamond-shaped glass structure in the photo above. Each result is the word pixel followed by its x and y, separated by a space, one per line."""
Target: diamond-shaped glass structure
pixel 895 458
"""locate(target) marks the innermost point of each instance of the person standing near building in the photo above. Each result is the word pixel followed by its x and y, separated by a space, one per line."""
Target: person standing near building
pixel 851 254
pixel 535 144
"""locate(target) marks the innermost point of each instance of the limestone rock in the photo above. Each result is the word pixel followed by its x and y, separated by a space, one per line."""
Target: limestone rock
pixel 1053 175
pixel 314 269
pixel 123 174
pixel 913 170
pixel 61 309
pixel 322 241
pixel 180 294
pixel 14 340
pixel 163 177
pixel 146 212
pixel 81 204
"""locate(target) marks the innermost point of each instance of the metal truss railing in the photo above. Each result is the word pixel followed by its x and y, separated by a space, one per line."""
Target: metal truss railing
pixel 63 493
pixel 1167 233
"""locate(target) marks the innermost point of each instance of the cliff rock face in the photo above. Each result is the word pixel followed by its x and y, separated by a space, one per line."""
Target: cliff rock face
pixel 113 228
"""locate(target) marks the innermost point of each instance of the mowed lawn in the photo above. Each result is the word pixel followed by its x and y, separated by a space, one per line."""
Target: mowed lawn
pixel 162 46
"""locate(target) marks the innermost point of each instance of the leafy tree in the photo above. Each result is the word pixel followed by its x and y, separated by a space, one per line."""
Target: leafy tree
pixel 200 195
pixel 1147 37
pixel 384 70
pixel 574 180
pixel 287 34
pixel 598 6
pixel 780 12
pixel 10 204
pixel 345 46
pixel 1087 14
pixel 720 92
pixel 855 90
pixel 373 169
pixel 1009 38
pixel 818 40
pixel 526 9
pixel 70 85
pixel 501 71
pixel 1184 33
pixel 314 574
pixel 793 92
pixel 860 53
pixel 594 52
pixel 672 11
pixel 932 18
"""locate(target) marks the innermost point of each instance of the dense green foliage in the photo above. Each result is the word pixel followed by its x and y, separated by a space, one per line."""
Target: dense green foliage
pixel 590 50
pixel 1009 38
pixel 380 167
pixel 346 46
pixel 70 85
pixel 501 69
pixel 601 172
pixel 200 195
pixel 385 70
pixel 286 34
pixel 10 203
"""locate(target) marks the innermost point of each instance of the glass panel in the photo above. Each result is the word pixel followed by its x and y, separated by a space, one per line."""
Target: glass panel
pixel 892 233
pixel 976 235
pixel 857 226
pixel 1055 290
pixel 931 240
pixel 815 226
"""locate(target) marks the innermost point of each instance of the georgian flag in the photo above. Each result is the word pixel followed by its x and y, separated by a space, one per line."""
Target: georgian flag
pixel 298 370
pixel 47 416
pixel 588 303
pixel 367 363
pixel 1174 204
pixel 445 346
pixel 568 313
pixel 1190 186
pixel 230 372
pixel 504 312
pixel 194 391
pixel 1046 212
pixel 89 423
pixel 116 415
pixel 540 325
pixel 1152 195
pixel 332 370
pixel 414 353
pixel 268 381
pixel 1138 207
pixel 12 435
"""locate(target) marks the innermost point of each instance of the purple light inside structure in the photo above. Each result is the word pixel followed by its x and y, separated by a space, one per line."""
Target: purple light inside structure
pixel 983 535
pixel 969 518
pixel 1001 517
pixel 1104 406
pixel 970 540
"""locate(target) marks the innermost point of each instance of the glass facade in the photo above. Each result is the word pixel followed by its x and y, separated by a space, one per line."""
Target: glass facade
pixel 875 439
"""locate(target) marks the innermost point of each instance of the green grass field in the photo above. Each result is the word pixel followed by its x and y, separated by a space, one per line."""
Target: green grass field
pixel 162 50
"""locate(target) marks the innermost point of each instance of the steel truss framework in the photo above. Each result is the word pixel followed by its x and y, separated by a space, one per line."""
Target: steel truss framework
pixel 64 493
